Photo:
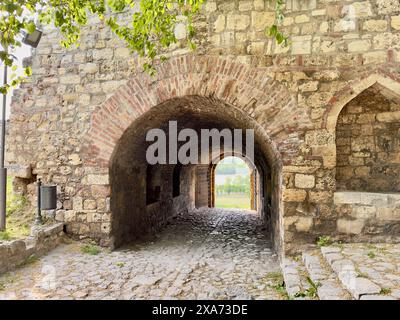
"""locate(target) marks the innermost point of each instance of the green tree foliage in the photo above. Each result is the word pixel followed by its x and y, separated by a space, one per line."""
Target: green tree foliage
pixel 148 32
pixel 237 184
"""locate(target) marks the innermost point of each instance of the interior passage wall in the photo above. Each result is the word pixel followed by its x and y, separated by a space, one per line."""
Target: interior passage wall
pixel 368 143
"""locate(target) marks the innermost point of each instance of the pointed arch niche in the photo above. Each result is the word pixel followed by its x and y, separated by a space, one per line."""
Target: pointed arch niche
pixel 366 123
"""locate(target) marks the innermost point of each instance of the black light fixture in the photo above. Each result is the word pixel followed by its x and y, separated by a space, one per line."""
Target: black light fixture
pixel 32 39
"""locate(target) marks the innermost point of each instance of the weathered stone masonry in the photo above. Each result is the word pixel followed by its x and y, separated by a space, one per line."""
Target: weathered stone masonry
pixel 69 122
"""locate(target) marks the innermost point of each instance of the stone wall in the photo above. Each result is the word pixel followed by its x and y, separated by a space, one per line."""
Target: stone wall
pixel 202 186
pixel 79 102
pixel 368 143
pixel 42 239
pixel 366 215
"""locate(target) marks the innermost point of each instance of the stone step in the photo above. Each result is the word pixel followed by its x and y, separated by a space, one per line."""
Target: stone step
pixel 360 288
pixel 328 286
pixel 295 277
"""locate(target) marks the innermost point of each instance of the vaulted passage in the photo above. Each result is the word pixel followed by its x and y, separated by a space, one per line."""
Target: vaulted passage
pixel 144 194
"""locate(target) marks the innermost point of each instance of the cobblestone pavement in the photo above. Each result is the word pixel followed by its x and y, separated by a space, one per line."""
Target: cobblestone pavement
pixel 361 271
pixel 208 253
pixel 379 263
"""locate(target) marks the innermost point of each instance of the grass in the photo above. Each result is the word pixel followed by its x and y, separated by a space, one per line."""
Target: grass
pixel 90 249
pixel 360 274
pixel 237 201
pixel 385 291
pixel 323 241
pixel 19 218
pixel 4 280
pixel 371 254
pixel 311 292
pixel 31 259
pixel 278 284
pixel 5 235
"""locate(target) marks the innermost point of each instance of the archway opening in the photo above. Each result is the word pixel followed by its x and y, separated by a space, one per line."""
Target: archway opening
pixel 234 184
pixel 144 196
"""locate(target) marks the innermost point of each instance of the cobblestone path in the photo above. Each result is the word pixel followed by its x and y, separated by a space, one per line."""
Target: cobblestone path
pixel 205 254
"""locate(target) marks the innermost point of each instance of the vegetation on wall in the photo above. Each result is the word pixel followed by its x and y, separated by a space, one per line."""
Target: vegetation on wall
pixel 19 218
pixel 150 30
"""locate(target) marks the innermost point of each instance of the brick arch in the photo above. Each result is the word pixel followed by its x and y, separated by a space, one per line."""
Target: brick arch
pixel 353 89
pixel 248 88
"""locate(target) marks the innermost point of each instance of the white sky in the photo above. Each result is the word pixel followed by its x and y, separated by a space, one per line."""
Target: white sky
pixel 20 53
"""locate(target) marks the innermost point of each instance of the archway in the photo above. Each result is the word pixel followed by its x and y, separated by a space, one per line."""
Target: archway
pixel 249 96
pixel 144 196
pixel 234 184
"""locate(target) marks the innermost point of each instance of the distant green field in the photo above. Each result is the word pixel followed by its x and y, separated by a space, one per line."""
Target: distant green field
pixel 239 201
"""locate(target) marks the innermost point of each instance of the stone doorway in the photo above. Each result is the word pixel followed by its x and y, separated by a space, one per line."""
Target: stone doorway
pixel 144 197
pixel 249 184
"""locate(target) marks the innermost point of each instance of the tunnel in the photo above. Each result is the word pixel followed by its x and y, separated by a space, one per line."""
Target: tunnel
pixel 144 196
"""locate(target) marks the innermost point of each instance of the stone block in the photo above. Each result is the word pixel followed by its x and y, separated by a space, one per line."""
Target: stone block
pixel 375 25
pixel 238 21
pixel 363 286
pixel 374 57
pixel 122 53
pixel 20 171
pixel 259 5
pixel 304 181
pixel 211 6
pixel 359 9
pixel 388 116
pixel 359 46
pixel 301 45
pixel 395 22
pixel 261 20
pixel 245 5
pixel 376 297
pixel 388 6
pixel 70 79
pixel 294 195
pixel 103 54
pixel 320 196
pixel 309 86
pixel 89 204
pixel 77 203
pixel 388 214
pixel 219 24
pixel 89 68
pixel 92 179
pixel 350 226
pixel 304 224
pixel 364 212
pixel 371 198
pixel 69 216
pixel 302 18
pixel 180 31
pixel 74 159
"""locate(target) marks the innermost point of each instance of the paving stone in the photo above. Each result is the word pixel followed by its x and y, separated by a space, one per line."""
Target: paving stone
pixel 361 286
pixel 376 297
pixel 368 268
pixel 207 253
pixel 329 290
